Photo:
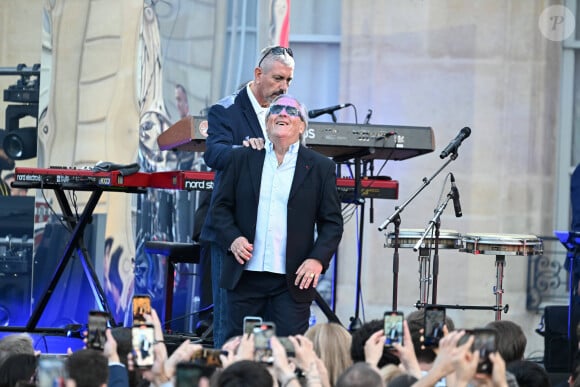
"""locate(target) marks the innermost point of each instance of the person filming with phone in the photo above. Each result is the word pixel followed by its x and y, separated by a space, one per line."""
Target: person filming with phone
pixel 280 221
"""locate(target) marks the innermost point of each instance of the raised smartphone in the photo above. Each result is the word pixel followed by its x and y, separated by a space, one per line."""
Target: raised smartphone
pixel 262 334
pixel 249 322
pixel 141 306
pixel 143 338
pixel 51 370
pixel 96 329
pixel 433 324
pixel 393 326
pixel 484 343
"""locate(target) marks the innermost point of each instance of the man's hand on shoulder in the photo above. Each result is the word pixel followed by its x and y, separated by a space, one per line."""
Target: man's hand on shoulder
pixel 255 143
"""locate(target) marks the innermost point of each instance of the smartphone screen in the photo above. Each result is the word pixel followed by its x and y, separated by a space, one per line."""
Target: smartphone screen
pixel 143 337
pixel 141 306
pixel 189 374
pixel 249 322
pixel 97 326
pixel 433 324
pixel 484 343
pixel 51 370
pixel 393 326
pixel 262 334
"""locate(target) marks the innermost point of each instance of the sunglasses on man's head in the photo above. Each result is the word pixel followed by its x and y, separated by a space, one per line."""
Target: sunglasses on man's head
pixel 290 110
pixel 278 50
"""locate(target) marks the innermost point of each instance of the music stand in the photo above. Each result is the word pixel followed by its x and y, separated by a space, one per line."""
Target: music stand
pixel 571 241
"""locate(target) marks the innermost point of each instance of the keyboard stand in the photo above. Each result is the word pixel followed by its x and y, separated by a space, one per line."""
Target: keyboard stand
pixel 75 243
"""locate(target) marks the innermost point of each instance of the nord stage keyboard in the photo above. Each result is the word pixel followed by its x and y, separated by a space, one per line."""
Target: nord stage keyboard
pixel 340 141
pixel 373 188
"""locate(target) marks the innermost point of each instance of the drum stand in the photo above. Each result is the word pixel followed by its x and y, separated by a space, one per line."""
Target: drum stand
pixel 425 278
pixel 498 288
pixel 424 259
pixel 395 218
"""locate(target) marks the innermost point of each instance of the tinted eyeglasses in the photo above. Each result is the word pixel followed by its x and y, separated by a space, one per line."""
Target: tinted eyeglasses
pixel 290 110
pixel 278 50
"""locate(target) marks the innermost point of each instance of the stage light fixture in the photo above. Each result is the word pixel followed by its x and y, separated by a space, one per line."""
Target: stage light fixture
pixel 21 144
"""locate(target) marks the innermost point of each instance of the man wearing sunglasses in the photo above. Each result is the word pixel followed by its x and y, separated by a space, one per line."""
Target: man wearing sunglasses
pixel 235 121
pixel 280 220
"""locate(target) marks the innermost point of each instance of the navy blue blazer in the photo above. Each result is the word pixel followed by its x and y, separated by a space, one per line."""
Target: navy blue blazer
pixel 230 121
pixel 313 204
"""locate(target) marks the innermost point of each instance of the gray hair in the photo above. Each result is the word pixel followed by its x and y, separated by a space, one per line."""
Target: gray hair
pixel 16 344
pixel 267 58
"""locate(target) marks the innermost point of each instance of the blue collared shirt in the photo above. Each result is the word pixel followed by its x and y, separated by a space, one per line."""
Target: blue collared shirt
pixel 271 228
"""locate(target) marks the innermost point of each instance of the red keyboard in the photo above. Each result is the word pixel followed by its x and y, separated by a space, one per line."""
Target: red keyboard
pixel 374 188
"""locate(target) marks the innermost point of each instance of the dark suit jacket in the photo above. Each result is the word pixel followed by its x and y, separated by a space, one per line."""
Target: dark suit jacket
pixel 313 203
pixel 230 121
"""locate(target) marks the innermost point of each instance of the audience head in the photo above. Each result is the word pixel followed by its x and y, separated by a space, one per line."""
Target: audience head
pixel 360 374
pixel 360 337
pixel 88 368
pixel 403 380
pixel 511 340
pixel 20 343
pixel 529 374
pixel 245 373
pixel 332 344
pixel 19 367
pixel 389 372
pixel 416 322
pixel 122 336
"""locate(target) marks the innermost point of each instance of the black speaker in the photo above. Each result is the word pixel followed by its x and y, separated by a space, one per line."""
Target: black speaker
pixel 15 301
pixel 557 348
pixel 72 298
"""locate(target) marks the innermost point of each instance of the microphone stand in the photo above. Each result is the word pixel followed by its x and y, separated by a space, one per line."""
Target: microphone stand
pixel 396 219
pixel 355 321
pixel 434 222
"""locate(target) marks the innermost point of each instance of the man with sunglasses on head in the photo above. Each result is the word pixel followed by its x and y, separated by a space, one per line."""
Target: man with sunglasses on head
pixel 239 120
pixel 280 221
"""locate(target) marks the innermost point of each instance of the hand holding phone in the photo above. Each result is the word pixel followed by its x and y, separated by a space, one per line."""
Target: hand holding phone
pixel 433 325
pixel 51 370
pixel 485 343
pixel 393 327
pixel 249 322
pixel 143 338
pixel 141 307
pixel 262 334
pixel 288 346
pixel 97 327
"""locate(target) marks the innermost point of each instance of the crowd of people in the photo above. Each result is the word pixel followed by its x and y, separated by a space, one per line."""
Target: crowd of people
pixel 326 355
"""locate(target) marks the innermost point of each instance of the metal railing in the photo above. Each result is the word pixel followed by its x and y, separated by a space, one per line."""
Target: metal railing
pixel 547 277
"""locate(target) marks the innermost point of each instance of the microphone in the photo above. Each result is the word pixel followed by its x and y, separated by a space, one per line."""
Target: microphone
pixel 318 112
pixel 455 197
pixel 456 142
